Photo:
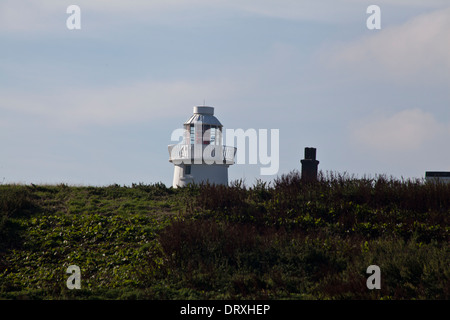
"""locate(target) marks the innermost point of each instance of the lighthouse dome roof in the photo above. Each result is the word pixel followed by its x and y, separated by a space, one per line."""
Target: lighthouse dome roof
pixel 205 115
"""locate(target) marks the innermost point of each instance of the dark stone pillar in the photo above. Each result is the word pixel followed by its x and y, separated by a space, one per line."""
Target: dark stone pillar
pixel 309 165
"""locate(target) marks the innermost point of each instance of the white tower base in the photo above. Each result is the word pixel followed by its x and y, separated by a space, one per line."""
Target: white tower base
pixel 199 173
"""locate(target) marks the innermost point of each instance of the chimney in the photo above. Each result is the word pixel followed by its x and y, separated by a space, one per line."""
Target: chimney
pixel 309 165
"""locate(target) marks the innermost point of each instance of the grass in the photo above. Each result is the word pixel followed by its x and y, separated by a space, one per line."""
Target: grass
pixel 283 240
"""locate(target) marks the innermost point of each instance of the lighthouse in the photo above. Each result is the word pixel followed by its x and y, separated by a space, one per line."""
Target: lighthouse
pixel 200 157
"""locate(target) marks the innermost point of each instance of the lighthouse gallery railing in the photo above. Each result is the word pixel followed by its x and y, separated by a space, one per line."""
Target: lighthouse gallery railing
pixel 180 152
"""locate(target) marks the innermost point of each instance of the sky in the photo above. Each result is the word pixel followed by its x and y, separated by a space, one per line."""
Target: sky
pixel 98 105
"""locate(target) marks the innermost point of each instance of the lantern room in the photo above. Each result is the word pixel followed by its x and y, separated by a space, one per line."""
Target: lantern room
pixel 203 127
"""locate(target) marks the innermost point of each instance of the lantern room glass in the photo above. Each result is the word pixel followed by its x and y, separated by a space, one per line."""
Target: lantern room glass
pixel 203 134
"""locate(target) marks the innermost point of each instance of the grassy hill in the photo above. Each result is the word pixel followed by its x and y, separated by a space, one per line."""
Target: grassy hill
pixel 284 240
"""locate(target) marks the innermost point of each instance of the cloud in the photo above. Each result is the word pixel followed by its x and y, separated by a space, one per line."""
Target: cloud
pixel 46 92
pixel 50 16
pixel 24 15
pixel 405 131
pixel 134 103
pixel 416 50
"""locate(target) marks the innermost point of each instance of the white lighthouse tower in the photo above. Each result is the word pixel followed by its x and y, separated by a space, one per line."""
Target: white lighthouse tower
pixel 201 157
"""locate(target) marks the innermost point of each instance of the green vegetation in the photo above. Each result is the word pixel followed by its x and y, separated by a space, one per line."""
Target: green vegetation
pixel 284 240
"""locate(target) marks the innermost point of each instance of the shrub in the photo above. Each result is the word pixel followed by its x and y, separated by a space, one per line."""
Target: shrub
pixel 15 201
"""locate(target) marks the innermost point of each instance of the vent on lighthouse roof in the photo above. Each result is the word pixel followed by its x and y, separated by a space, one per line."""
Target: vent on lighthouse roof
pixel 205 115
